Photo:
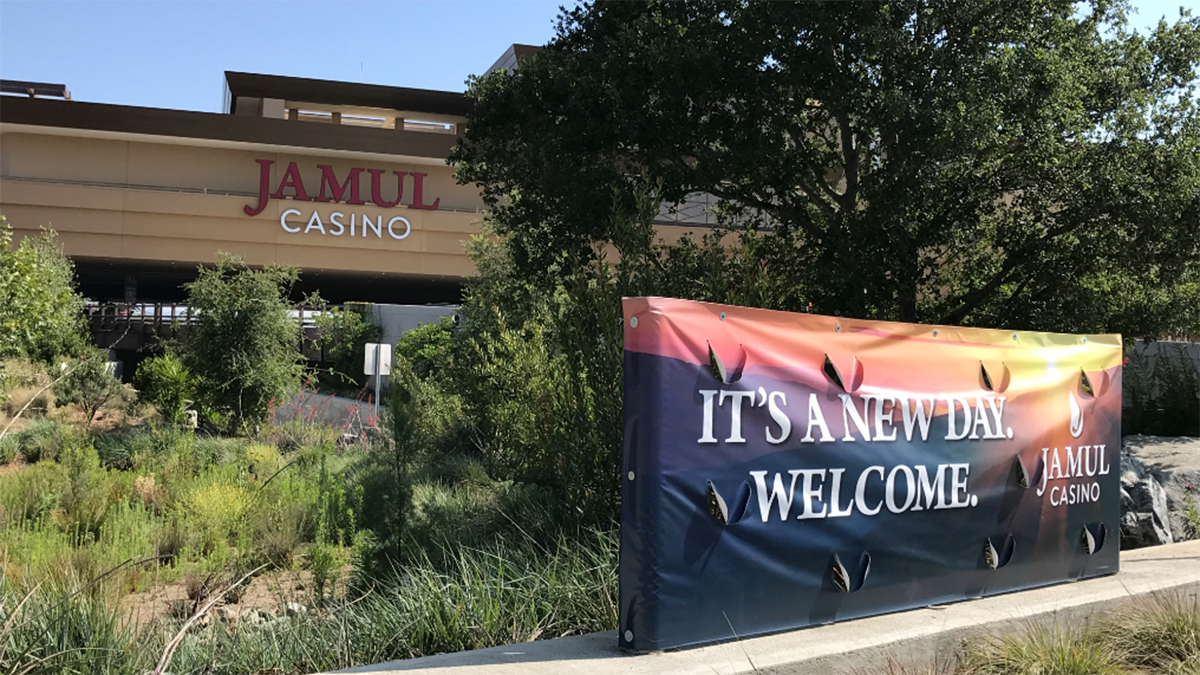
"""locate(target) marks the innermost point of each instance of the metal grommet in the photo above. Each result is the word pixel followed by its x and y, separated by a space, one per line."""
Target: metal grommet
pixel 837 328
pixel 633 322
pixel 1085 340
pixel 722 316
pixel 1014 336
pixel 934 332
pixel 629 636
pixel 630 475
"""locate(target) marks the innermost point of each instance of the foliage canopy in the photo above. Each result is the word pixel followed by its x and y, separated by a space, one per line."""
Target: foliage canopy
pixel 244 347
pixel 40 312
pixel 1027 163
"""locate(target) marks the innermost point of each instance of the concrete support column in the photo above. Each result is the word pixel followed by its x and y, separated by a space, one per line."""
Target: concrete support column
pixel 130 289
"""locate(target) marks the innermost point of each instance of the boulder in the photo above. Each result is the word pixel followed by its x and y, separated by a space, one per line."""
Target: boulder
pixel 1145 519
pixel 1158 479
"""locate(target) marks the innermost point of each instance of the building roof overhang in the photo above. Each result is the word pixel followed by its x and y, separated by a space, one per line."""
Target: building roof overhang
pixel 333 93
pixel 205 128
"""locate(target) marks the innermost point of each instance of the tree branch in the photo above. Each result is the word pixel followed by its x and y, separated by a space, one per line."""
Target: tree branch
pixel 850 159
pixel 794 215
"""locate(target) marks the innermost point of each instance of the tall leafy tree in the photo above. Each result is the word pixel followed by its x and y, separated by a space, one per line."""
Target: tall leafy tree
pixel 1025 163
pixel 243 346
pixel 40 311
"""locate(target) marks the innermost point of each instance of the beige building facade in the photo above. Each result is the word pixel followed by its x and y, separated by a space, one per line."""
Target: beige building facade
pixel 351 186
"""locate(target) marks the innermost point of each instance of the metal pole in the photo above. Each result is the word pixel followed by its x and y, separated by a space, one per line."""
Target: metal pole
pixel 378 370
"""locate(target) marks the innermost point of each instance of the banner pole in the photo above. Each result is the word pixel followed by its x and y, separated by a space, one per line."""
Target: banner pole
pixel 378 376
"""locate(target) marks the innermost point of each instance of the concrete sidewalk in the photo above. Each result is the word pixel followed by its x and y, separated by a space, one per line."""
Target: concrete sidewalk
pixel 860 646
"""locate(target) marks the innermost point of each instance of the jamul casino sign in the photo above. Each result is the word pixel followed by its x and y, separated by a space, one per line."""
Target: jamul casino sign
pixel 347 192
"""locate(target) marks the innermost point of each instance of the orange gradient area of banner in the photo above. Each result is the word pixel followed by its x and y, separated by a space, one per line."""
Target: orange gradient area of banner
pixel 872 356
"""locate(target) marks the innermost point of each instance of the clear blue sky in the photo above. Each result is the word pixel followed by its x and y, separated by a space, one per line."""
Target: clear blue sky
pixel 173 54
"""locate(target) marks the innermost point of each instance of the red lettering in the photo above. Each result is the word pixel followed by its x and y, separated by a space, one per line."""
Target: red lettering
pixel 418 200
pixel 377 188
pixel 264 186
pixel 292 179
pixel 329 179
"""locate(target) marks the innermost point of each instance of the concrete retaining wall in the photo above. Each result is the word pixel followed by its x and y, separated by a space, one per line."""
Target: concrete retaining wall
pixel 861 646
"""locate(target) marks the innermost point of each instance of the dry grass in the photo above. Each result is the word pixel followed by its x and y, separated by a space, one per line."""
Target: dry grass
pixel 1159 635
pixel 1043 650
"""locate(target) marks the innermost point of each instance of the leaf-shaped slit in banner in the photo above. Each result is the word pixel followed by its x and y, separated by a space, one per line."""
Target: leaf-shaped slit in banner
pixel 1086 383
pixel 999 557
pixel 990 555
pixel 1089 542
pixel 717 365
pixel 841 578
pixel 832 372
pixel 1022 473
pixel 716 505
pixel 987 379
pixel 1094 542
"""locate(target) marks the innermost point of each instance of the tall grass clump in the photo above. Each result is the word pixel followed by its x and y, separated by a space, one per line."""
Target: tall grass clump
pixel 1043 650
pixel 1159 635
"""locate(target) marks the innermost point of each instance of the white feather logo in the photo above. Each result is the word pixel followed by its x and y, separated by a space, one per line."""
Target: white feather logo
pixel 1076 416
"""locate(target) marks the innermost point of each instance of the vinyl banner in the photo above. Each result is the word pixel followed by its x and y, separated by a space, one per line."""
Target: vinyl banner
pixel 782 470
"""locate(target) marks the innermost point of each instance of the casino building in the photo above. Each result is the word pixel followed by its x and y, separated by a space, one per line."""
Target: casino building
pixel 346 181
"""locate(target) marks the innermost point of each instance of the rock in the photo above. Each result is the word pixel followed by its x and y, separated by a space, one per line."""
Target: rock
pixel 1175 464
pixel 253 617
pixel 1145 518
pixel 296 609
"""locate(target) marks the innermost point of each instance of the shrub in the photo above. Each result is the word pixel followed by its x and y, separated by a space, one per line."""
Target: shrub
pixel 217 509
pixel 336 517
pixel 209 451
pixel 90 384
pixel 31 494
pixel 530 382
pixel 1161 391
pixel 46 439
pixel 278 532
pixel 428 347
pixel 84 505
pixel 263 460
pixel 117 449
pixel 168 385
pixel 323 562
pixel 40 312
pixel 243 346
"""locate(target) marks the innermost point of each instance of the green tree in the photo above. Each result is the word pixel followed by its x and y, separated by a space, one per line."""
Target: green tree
pixel 40 312
pixel 244 345
pixel 1024 163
